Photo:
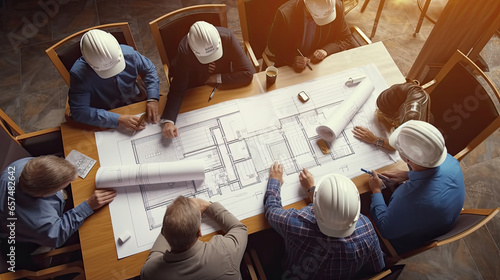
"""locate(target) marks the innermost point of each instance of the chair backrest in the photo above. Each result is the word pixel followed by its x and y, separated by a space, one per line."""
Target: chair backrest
pixel 464 105
pixel 64 53
pixel 390 273
pixel 17 144
pixel 168 30
pixel 349 5
pixel 11 148
pixel 468 221
pixel 256 18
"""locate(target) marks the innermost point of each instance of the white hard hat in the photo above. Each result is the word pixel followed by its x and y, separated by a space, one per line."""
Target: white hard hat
pixel 102 52
pixel 322 11
pixel 420 142
pixel 204 40
pixel 336 205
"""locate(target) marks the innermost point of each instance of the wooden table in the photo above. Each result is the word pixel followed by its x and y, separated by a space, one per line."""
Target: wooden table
pixel 96 233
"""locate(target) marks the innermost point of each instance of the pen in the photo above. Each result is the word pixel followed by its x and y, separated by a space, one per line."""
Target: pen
pixel 213 92
pixel 141 120
pixel 307 64
pixel 380 176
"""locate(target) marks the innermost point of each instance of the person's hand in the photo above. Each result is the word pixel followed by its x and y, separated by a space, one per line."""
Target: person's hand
pixel 276 172
pixel 375 182
pixel 152 111
pixel 306 179
pixel 300 63
pixel 100 198
pixel 396 176
pixel 211 67
pixel 364 134
pixel 319 54
pixel 200 204
pixel 170 130
pixel 131 122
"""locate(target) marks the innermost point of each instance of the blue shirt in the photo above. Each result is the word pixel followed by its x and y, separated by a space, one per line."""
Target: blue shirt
pixel 313 255
pixel 90 96
pixel 424 207
pixel 38 220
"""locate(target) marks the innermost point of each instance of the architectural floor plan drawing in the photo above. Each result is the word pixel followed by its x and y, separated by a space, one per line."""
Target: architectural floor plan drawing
pixel 238 144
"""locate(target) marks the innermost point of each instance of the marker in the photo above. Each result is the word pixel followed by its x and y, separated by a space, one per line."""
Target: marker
pixel 307 64
pixel 354 80
pixel 380 176
pixel 213 92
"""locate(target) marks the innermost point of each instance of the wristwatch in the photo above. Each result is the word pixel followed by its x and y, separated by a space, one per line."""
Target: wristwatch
pixel 311 189
pixel 379 142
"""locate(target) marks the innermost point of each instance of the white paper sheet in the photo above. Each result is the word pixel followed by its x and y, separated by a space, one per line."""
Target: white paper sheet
pixel 237 159
pixel 149 173
pixel 339 119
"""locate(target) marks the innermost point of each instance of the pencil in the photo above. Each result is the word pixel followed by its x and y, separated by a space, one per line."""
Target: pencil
pixel 141 120
pixel 307 64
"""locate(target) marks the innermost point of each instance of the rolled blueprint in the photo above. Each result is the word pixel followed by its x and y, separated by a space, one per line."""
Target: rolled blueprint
pixel 149 173
pixel 339 119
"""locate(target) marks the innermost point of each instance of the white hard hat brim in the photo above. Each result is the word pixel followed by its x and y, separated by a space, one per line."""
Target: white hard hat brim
pixel 217 54
pixel 113 71
pixel 328 231
pixel 325 20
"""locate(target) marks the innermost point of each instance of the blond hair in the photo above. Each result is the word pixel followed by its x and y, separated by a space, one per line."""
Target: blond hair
pixel 181 223
pixel 45 175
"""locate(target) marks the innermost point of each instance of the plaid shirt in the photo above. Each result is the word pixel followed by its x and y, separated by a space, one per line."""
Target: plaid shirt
pixel 313 255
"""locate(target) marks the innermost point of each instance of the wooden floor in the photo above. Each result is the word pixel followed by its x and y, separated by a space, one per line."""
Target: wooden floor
pixel 33 94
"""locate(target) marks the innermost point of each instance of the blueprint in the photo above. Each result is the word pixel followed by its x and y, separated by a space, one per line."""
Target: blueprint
pixel 238 141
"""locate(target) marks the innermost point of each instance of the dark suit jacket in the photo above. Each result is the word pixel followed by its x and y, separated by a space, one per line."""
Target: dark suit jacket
pixel 187 72
pixel 287 32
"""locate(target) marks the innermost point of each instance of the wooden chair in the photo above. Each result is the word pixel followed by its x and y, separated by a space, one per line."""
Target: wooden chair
pixel 256 18
pixel 469 221
pixel 464 105
pixel 349 5
pixel 64 53
pixel 168 30
pixel 17 144
pixel 253 267
pixel 390 273
pixel 256 270
pixel 74 268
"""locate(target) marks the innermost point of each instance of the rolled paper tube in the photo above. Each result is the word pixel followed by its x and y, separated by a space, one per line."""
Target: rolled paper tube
pixel 150 173
pixel 339 119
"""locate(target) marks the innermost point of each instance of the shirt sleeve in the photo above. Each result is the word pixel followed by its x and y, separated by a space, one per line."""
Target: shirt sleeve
pixel 273 208
pixel 58 229
pixel 236 237
pixel 155 257
pixel 147 70
pixel 242 69
pixel 375 258
pixel 392 221
pixel 341 36
pixel 81 111
pixel 277 44
pixel 180 83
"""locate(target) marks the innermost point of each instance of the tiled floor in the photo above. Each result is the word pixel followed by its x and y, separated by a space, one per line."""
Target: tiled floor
pixel 34 94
